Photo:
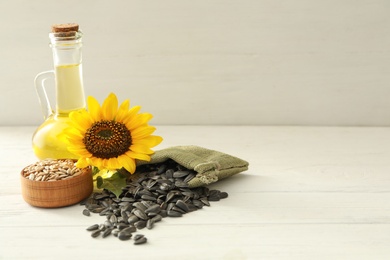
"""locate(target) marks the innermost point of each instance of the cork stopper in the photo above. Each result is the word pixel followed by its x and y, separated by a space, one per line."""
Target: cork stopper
pixel 65 27
pixel 67 31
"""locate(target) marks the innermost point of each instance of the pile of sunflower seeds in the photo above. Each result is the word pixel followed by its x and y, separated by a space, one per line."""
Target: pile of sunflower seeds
pixel 51 170
pixel 160 190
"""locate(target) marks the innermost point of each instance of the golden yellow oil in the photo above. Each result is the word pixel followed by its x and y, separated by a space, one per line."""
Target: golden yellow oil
pixel 69 88
pixel 48 140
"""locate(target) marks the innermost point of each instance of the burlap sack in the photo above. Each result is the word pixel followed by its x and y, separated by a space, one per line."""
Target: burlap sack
pixel 210 165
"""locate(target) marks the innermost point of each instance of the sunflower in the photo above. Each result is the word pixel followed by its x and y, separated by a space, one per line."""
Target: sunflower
pixel 110 137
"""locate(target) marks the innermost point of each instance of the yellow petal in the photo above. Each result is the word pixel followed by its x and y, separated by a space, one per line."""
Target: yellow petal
pixel 81 120
pixel 82 163
pixel 138 156
pixel 142 132
pixel 76 145
pixel 113 163
pixel 127 162
pixel 94 109
pixel 150 141
pixel 130 114
pixel 139 148
pixel 96 162
pixel 79 152
pixel 139 120
pixel 110 107
pixel 72 134
pixel 122 111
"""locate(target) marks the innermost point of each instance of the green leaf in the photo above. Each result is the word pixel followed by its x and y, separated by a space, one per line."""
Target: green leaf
pixel 99 182
pixel 115 183
pixel 95 170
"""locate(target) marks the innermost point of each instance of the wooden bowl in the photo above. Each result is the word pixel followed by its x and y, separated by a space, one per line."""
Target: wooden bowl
pixel 59 193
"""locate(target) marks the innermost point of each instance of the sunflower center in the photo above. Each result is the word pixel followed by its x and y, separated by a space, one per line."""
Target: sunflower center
pixel 107 139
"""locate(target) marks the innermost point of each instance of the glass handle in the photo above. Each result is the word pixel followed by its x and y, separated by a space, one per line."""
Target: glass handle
pixel 41 91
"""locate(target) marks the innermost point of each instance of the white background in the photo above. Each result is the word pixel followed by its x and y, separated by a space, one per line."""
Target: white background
pixel 251 62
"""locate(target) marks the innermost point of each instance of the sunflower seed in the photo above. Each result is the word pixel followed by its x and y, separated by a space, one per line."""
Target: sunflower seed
pixel 150 224
pixel 128 199
pixel 161 169
pixel 145 192
pixel 189 177
pixel 182 205
pixel 140 206
pixel 214 198
pixel 214 195
pixel 130 229
pixel 188 194
pixel 147 197
pixel 108 224
pixel 140 224
pixel 157 218
pixel 163 213
pixel 95 233
pixel 115 232
pixel 223 195
pixel 124 204
pixel 107 232
pixel 140 214
pixel 205 201
pixel 169 173
pixel 132 219
pixel 147 203
pixel 102 227
pixel 179 174
pixel 113 219
pixel 124 235
pixel 105 212
pixel 197 203
pixel 192 207
pixel 170 196
pixel 138 236
pixel 175 208
pixel 181 184
pixel 170 206
pixel 151 184
pixel 86 212
pixel 97 210
pixel 121 226
pixel 124 216
pixel 101 196
pixel 173 213
pixel 141 239
pixel 155 209
pixel 93 227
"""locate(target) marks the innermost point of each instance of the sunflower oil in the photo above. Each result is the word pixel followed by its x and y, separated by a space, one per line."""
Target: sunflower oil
pixel 70 90
pixel 48 141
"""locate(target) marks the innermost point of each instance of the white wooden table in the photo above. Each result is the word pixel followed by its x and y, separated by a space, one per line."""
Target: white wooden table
pixel 309 193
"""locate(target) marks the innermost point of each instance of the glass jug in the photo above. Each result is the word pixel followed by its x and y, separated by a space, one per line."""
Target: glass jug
pixel 66 43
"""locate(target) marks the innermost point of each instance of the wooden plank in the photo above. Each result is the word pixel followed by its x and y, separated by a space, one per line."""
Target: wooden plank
pixel 234 241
